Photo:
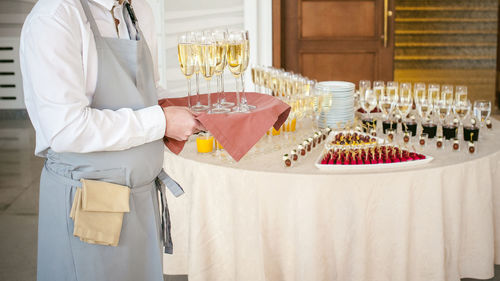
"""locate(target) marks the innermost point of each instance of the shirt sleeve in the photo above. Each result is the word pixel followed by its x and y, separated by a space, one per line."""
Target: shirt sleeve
pixel 54 82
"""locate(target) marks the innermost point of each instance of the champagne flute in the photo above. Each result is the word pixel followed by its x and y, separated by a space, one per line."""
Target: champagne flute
pixel 447 94
pixel 246 60
pixel 461 94
pixel 419 92
pixel 433 91
pixel 393 91
pixel 197 52
pixel 378 88
pixel 187 60
pixel 235 57
pixel 386 105
pixel 220 37
pixel 208 61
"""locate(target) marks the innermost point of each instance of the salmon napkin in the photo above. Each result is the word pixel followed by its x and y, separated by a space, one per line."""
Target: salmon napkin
pixel 236 132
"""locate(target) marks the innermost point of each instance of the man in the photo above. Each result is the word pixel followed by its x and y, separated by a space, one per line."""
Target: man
pixel 90 71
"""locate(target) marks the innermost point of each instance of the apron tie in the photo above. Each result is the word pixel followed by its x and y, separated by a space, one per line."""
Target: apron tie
pixel 163 180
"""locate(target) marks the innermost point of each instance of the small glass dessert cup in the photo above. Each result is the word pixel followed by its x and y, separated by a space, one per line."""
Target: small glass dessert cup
pixel 312 141
pixel 430 129
pixel 472 147
pixel 390 135
pixel 456 144
pixel 294 155
pixel 373 132
pixel 301 150
pixel 471 130
pixel 406 137
pixel 488 123
pixel 439 142
pixel 422 140
pixel 307 145
pixel 286 160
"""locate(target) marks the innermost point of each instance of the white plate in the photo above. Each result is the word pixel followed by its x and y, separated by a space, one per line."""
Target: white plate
pixel 370 167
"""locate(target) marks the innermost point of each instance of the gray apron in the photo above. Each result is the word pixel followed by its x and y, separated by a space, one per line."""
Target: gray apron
pixel 125 80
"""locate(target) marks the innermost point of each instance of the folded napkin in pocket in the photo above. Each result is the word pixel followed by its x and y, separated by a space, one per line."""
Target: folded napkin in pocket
pixel 97 211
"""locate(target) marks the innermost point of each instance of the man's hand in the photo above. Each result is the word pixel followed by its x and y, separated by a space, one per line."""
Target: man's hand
pixel 181 122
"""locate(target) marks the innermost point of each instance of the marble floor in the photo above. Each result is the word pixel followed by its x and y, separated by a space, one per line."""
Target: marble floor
pixel 19 182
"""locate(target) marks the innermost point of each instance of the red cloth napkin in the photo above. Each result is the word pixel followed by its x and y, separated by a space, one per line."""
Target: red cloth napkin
pixel 236 132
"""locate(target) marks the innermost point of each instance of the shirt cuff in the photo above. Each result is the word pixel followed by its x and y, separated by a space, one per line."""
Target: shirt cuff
pixel 153 121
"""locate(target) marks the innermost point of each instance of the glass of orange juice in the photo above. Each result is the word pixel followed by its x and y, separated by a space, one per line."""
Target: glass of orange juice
pixel 205 143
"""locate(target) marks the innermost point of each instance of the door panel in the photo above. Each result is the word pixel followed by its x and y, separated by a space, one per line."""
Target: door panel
pixel 347 66
pixel 334 39
pixel 338 19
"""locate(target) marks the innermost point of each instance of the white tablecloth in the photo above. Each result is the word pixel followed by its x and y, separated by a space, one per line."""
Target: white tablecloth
pixel 257 220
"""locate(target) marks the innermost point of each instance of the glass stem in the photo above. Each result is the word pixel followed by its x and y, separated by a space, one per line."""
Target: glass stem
pixel 197 88
pixel 243 97
pixel 238 102
pixel 219 77
pixel 223 96
pixel 189 92
pixel 208 96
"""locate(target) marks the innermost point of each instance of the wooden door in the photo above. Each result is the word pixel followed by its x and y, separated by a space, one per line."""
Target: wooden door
pixel 334 39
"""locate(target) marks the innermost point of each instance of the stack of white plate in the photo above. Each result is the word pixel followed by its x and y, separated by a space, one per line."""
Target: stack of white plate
pixel 342 109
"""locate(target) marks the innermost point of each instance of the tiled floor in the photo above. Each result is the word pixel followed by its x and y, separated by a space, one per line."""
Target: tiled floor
pixel 19 179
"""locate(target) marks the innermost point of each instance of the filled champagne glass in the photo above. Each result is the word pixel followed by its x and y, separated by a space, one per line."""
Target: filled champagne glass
pixel 220 37
pixel 419 92
pixel 197 53
pixel 208 62
pixel 461 94
pixel 187 60
pixel 246 61
pixel 393 91
pixel 378 89
pixel 434 95
pixel 235 57
pixel 447 94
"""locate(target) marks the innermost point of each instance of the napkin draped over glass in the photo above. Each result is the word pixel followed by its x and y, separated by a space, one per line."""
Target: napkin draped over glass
pixel 236 132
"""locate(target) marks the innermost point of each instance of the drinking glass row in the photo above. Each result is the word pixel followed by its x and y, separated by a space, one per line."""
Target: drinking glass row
pixel 433 105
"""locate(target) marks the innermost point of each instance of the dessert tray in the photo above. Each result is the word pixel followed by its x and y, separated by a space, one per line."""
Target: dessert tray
pixel 360 151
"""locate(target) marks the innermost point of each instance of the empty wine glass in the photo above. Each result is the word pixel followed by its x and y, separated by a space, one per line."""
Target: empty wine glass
pixel 369 102
pixel 424 108
pixel 462 109
pixel 482 110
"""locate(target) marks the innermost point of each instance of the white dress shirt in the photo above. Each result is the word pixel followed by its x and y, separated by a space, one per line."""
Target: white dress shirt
pixel 59 68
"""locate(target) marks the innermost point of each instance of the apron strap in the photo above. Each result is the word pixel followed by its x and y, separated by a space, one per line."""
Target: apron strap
pixel 172 185
pixel 90 18
pixel 164 180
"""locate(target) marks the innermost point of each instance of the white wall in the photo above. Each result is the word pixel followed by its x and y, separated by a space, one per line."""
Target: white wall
pixel 190 15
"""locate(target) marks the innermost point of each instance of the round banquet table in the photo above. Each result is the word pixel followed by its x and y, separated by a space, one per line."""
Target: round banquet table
pixel 258 220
